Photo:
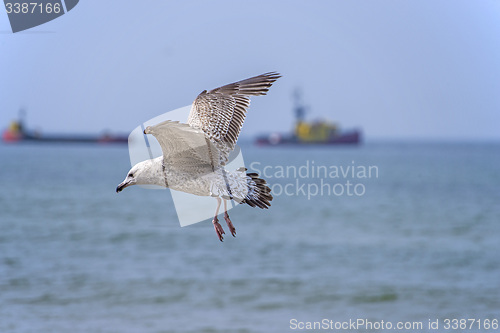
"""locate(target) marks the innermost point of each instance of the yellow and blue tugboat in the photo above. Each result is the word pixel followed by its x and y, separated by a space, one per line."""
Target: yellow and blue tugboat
pixel 306 133
pixel 17 132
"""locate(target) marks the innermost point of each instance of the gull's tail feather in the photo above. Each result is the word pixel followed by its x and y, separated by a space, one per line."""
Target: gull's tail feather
pixel 259 194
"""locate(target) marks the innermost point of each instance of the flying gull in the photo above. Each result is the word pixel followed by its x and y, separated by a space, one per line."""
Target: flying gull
pixel 195 153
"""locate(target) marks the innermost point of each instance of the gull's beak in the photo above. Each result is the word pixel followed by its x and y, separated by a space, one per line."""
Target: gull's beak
pixel 126 183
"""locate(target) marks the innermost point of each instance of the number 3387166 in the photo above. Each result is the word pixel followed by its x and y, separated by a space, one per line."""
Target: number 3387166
pixel 32 8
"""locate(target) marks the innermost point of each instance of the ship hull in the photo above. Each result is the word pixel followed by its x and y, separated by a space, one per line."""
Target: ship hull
pixel 11 137
pixel 347 138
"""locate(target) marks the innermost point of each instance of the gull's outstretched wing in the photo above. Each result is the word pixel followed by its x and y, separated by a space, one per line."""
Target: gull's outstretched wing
pixel 184 147
pixel 220 112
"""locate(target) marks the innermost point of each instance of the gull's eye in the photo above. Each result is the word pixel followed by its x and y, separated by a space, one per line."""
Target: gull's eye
pixel 131 175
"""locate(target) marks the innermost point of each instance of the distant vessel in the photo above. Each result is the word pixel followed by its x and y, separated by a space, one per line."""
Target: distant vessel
pixel 305 133
pixel 16 132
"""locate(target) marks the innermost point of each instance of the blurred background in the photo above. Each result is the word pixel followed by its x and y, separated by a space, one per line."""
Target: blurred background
pixel 417 79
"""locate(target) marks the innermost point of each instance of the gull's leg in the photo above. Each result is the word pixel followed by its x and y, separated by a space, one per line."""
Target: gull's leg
pixel 228 221
pixel 218 228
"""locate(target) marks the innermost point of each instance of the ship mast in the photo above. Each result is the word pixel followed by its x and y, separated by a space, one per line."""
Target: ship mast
pixel 20 122
pixel 299 108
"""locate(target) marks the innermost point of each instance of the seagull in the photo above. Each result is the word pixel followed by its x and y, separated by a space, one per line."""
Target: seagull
pixel 195 153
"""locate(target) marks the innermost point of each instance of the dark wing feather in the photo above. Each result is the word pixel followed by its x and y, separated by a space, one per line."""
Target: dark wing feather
pixel 220 112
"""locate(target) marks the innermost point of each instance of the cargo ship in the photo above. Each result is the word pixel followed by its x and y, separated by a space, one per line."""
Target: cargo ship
pixel 17 132
pixel 310 133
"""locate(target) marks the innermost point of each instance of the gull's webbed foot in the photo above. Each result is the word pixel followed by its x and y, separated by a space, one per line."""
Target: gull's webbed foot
pixel 218 228
pixel 230 224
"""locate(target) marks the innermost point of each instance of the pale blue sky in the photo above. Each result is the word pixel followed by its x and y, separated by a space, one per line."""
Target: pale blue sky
pixel 397 69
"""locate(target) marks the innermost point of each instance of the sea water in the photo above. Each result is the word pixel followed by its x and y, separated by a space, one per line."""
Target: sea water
pixel 418 241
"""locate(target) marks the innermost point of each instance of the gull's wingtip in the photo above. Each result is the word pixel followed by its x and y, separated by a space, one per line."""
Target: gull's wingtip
pixel 273 75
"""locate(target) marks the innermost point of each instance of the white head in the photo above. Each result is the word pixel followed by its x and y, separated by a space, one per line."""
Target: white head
pixel 145 172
